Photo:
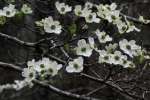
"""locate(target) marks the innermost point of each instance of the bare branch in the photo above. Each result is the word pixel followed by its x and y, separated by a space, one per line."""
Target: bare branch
pixel 115 87
pixel 28 44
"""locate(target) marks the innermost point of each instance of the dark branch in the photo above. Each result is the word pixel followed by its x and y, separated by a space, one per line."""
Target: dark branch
pixel 50 87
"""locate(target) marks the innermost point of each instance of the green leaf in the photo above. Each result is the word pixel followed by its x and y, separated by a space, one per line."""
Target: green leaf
pixel 72 28
pixel 2 20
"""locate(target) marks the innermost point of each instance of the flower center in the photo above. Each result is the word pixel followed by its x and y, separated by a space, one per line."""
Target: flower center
pixel 117 57
pixel 42 71
pixel 83 49
pixel 79 12
pixel 7 12
pixel 42 66
pixel 103 37
pixel 113 17
pixel 106 58
pixel 90 17
pixel 50 70
pixel 123 28
pixel 31 75
pixel 53 27
pixel 62 9
pixel 128 47
pixel 124 61
pixel 76 66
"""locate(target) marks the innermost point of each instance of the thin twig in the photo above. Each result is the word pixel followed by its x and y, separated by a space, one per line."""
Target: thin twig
pixel 28 44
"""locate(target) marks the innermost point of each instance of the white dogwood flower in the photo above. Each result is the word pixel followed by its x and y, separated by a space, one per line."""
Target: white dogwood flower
pixel 75 66
pixel 63 8
pixel 92 17
pixel 103 11
pixel 104 57
pixel 129 47
pixel 102 36
pixel 81 12
pixel 113 6
pixel 10 10
pixel 141 18
pixel 51 26
pixel 29 73
pixel 122 27
pixel 111 47
pixel 116 58
pixel 112 16
pixel 26 9
pixel 131 26
pixel 88 5
pixel 83 48
pixel 125 62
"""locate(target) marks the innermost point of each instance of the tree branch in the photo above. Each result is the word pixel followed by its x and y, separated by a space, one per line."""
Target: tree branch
pixel 114 87
pixel 28 44
pixel 50 87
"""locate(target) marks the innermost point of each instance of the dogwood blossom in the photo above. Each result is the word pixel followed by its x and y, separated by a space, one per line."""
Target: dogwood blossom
pixel 92 17
pixel 41 68
pixel 104 57
pixel 131 26
pixel 102 36
pixel 81 12
pixel 141 18
pixel 102 10
pixel 111 47
pixel 108 12
pixel 83 48
pixel 88 5
pixel 122 27
pixel 129 47
pixel 126 63
pixel 63 8
pixel 29 74
pixel 17 85
pixel 9 11
pixel 26 9
pixel 75 66
pixel 117 58
pixel 51 26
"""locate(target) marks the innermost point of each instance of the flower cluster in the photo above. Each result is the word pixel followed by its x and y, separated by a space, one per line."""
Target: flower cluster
pixel 123 53
pixel 112 15
pixel 104 12
pixel 11 11
pixel 41 69
pixel 17 85
pixel 86 12
pixel 115 58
